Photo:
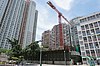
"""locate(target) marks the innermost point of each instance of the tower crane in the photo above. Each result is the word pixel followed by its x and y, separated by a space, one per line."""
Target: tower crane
pixel 60 25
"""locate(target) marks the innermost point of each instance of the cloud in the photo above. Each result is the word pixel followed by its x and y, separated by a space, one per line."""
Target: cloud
pixel 64 4
pixel 47 18
pixel 43 22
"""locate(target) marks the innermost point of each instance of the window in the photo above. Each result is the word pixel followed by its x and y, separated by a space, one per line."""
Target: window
pixel 6 46
pixel 83 32
pixel 92 31
pixel 84 59
pixel 93 17
pixel 82 20
pixel 85 39
pixel 86 26
pixel 77 41
pixel 93 52
pixel 91 45
pixel 82 48
pixel 82 27
pixel 98 52
pixel 88 32
pixel 96 24
pixel 94 38
pixel 85 19
pixel 98 15
pixel 96 45
pixel 98 37
pixel 86 46
pixel 81 42
pixel 91 25
pixel 88 52
pixel 2 45
pixel 83 53
pixel 97 30
pixel 99 23
pixel 89 38
pixel 79 32
pixel 89 18
pixel 80 37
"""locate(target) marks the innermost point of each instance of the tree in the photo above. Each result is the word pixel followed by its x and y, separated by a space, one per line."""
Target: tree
pixel 2 50
pixel 31 50
pixel 28 53
pixel 16 48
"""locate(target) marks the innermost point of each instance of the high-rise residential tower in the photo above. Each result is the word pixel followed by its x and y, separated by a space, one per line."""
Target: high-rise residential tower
pixel 10 19
pixel 18 19
pixel 3 8
pixel 28 25
pixel 35 25
pixel 74 31
pixel 54 38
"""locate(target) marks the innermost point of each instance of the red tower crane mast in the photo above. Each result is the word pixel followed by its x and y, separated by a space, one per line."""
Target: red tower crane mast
pixel 60 25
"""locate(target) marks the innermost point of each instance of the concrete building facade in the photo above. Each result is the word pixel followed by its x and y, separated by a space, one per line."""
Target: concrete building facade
pixel 28 25
pixel 18 19
pixel 35 26
pixel 3 7
pixel 74 31
pixel 10 19
pixel 46 38
pixel 54 38
pixel 89 36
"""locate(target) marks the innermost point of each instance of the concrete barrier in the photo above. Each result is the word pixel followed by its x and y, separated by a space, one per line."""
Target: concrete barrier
pixel 59 62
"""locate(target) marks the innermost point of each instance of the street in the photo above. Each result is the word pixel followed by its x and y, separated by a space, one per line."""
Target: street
pixel 54 65
pixel 45 65
pixel 42 65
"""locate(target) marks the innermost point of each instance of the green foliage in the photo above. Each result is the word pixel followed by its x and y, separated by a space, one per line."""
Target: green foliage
pixel 30 51
pixel 15 50
pixel 27 53
pixel 2 50
pixel 13 42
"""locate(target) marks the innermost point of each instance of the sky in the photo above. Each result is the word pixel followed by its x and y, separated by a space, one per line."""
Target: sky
pixel 47 17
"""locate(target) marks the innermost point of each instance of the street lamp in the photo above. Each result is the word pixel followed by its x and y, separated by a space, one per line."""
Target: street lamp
pixel 41 55
pixel 65 56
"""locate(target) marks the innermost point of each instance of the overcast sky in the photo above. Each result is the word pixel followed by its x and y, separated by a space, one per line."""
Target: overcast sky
pixel 47 17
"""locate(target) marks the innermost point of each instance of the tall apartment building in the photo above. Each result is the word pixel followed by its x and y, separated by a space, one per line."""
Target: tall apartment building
pixel 54 37
pixel 89 36
pixel 28 25
pixel 46 36
pixel 74 31
pixel 10 19
pixel 18 19
pixel 35 26
pixel 3 7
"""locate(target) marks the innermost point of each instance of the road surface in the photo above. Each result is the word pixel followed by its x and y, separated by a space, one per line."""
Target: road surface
pixel 54 65
pixel 42 65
